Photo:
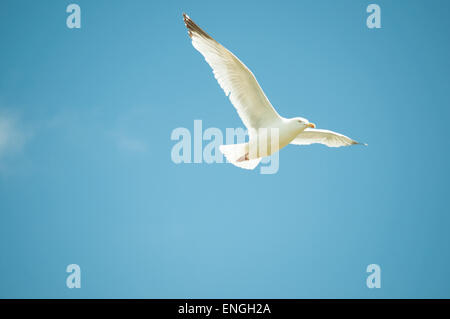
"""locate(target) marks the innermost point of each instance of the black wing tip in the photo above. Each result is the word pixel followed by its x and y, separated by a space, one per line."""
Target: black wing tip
pixel 188 23
pixel 193 27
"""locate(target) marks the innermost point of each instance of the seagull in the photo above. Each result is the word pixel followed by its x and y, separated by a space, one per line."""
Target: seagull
pixel 268 131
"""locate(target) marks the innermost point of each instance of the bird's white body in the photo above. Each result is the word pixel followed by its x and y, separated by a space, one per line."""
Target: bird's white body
pixel 274 136
pixel 268 131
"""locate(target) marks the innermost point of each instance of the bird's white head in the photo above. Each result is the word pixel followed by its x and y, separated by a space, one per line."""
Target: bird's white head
pixel 301 123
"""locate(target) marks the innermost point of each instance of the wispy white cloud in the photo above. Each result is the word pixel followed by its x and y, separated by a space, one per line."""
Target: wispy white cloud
pixel 129 130
pixel 131 144
pixel 13 138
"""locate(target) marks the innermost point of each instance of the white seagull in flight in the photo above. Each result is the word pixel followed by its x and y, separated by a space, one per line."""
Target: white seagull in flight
pixel 254 108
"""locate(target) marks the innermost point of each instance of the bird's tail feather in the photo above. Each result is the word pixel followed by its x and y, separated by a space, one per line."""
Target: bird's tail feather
pixel 237 154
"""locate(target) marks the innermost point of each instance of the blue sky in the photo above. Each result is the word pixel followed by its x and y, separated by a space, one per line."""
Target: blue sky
pixel 86 175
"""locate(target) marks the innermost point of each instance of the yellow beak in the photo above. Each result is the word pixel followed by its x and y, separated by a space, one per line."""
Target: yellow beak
pixel 311 125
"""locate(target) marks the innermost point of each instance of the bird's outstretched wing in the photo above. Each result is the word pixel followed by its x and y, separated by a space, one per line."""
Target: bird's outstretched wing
pixel 328 138
pixel 234 78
